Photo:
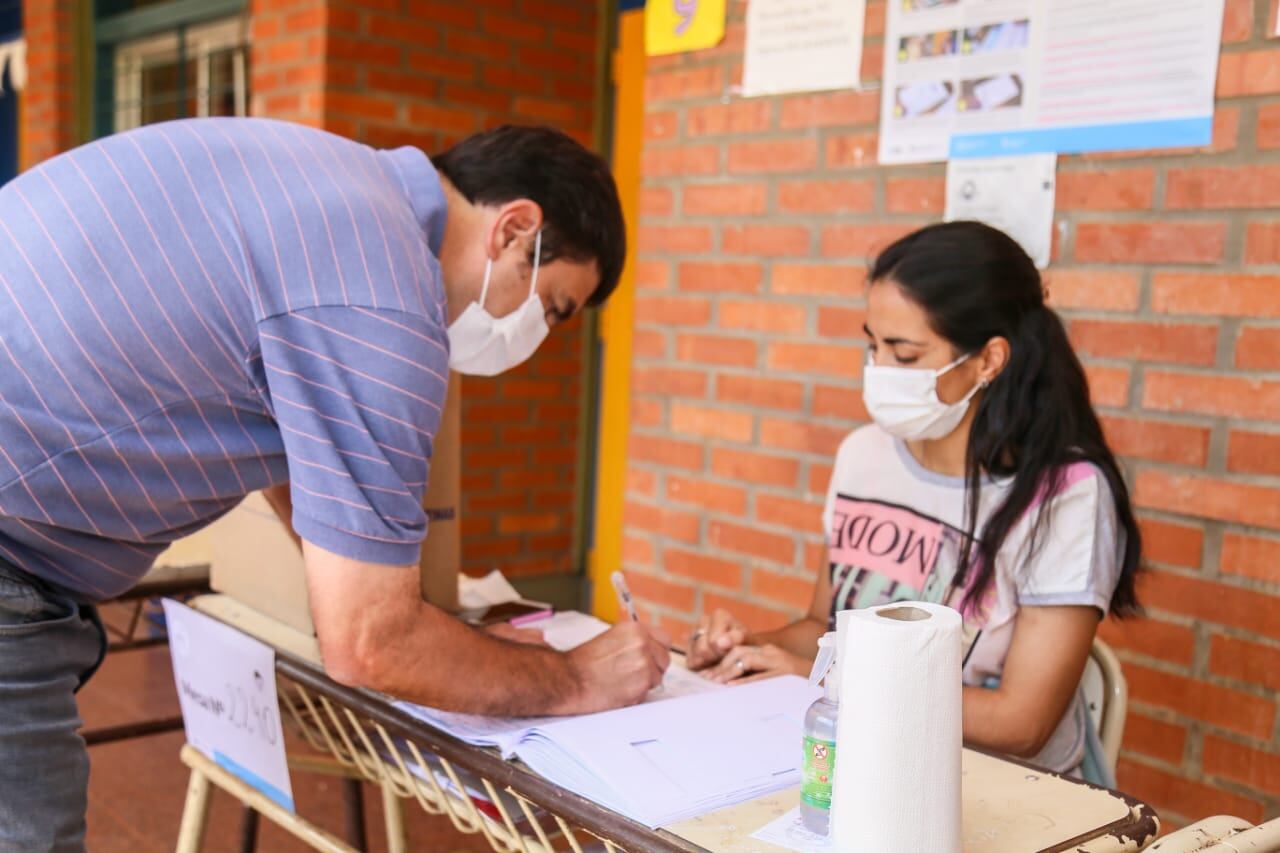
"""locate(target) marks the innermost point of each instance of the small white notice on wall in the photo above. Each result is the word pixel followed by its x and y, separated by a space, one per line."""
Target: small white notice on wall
pixel 802 46
pixel 1014 194
pixel 227 688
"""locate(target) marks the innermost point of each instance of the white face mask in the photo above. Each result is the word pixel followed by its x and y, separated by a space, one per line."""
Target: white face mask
pixel 481 344
pixel 904 401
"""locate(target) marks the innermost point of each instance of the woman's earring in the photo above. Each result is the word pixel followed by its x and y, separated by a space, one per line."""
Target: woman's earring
pixel 984 384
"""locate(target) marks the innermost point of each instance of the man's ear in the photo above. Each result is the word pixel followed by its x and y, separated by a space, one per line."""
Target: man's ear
pixel 517 222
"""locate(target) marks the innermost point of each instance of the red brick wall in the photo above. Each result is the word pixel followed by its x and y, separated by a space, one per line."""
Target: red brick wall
pixel 428 73
pixel 288 59
pixel 757 220
pixel 49 102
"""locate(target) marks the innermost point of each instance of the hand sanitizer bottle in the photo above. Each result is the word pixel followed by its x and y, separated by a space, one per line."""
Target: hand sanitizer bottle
pixel 819 765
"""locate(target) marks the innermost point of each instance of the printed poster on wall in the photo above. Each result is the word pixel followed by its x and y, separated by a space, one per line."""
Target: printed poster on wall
pixel 679 26
pixel 990 78
pixel 802 46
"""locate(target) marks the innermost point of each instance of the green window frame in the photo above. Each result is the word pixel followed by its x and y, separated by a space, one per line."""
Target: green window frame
pixel 174 59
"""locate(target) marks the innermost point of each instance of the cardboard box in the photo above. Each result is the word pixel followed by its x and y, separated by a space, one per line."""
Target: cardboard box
pixel 255 561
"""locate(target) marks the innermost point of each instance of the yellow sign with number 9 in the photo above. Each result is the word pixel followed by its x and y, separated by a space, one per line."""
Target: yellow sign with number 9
pixel 679 26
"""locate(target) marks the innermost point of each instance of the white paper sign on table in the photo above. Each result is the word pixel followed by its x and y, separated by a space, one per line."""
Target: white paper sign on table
pixel 802 46
pixel 226 684
pixel 1014 194
pixel 790 833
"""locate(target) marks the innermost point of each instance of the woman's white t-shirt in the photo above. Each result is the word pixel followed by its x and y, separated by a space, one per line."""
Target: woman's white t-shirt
pixel 894 533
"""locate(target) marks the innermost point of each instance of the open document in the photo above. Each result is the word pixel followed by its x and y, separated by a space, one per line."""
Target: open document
pixel 505 733
pixel 563 631
pixel 692 747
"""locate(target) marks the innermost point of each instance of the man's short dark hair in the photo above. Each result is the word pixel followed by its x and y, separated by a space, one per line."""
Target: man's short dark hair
pixel 582 217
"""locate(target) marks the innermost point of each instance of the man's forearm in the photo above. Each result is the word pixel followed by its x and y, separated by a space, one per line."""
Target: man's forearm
pixel 431 658
pixel 375 631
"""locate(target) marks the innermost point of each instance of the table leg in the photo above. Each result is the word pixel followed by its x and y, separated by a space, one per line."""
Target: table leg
pixel 304 830
pixel 195 814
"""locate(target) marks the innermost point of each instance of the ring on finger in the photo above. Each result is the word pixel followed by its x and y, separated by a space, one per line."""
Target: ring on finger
pixel 741 664
pixel 696 635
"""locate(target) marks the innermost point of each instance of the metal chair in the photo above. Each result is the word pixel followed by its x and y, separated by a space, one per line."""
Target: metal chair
pixel 1106 695
pixel 1222 834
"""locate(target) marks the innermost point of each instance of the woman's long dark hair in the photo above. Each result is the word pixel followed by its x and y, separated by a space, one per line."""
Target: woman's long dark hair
pixel 975 284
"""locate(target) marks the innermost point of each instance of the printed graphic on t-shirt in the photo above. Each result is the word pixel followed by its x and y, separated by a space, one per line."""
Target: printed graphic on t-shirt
pixel 881 553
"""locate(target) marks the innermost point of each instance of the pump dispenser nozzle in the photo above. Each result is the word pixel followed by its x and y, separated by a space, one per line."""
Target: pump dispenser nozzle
pixel 826 657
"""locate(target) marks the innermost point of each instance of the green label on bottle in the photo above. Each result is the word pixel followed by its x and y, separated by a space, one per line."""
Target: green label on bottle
pixel 819 771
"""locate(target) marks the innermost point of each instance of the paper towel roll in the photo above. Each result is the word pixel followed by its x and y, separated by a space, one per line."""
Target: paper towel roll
pixel 898 736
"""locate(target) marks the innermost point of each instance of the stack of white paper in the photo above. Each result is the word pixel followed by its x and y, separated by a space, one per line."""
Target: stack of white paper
pixel 663 762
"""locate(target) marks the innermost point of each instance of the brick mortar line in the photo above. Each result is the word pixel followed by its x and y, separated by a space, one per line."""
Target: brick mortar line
pixel 769 490
pixel 801 494
pixel 1192 159
pixel 805 413
pixel 825 459
pixel 724 554
pixel 1195 774
pixel 446 29
pixel 709 515
pixel 1199 672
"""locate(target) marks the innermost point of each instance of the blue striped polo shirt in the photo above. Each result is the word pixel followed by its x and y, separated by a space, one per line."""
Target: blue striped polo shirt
pixel 193 311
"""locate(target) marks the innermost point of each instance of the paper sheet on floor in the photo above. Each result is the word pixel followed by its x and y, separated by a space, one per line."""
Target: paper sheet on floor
pixel 493 588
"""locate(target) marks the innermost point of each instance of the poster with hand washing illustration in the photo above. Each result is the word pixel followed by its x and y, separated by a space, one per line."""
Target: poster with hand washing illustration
pixel 995 78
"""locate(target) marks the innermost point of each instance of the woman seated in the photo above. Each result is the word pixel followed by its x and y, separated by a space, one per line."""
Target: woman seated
pixel 984 483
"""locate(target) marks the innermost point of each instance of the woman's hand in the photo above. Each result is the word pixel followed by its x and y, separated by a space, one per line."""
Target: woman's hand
pixel 713 638
pixel 752 663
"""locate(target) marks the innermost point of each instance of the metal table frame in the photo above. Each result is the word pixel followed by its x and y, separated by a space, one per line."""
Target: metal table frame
pixel 384 745
pixel 359 734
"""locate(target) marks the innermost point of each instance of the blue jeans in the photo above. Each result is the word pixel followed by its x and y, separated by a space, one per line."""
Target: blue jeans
pixel 49 647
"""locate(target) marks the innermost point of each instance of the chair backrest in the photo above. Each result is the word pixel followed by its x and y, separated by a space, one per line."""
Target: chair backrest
pixel 1106 694
pixel 1221 834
